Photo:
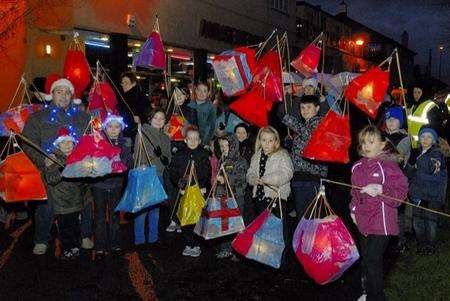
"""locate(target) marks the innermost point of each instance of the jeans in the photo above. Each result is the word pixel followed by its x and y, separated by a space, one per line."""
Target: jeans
pixel 425 224
pixel 107 221
pixel 304 192
pixel 43 221
pixel 86 221
pixel 372 250
pixel 69 230
pixel 152 224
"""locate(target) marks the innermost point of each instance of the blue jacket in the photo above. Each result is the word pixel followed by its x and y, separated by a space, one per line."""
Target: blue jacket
pixel 206 119
pixel 427 182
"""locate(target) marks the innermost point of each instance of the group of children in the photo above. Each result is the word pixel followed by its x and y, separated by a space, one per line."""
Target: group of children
pixel 264 171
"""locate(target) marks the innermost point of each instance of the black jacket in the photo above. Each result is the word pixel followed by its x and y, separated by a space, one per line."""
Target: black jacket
pixel 179 163
pixel 139 104
pixel 439 118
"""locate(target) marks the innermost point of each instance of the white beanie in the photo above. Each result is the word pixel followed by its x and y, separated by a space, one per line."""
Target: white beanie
pixel 310 82
pixel 62 82
pixel 114 118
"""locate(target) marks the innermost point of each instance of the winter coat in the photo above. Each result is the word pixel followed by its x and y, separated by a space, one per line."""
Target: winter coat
pixel 206 118
pixel 402 143
pixel 180 160
pixel 117 180
pixel 378 215
pixel 43 132
pixel 428 183
pixel 139 104
pixel 236 168
pixel 305 169
pixel 159 139
pixel 279 171
pixel 65 195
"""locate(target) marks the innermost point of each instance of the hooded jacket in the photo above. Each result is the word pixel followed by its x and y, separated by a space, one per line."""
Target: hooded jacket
pixel 427 182
pixel 378 215
pixel 206 119
pixel 236 168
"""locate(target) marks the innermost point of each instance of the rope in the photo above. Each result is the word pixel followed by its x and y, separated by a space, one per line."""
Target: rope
pixel 263 45
pixel 388 197
pixel 397 59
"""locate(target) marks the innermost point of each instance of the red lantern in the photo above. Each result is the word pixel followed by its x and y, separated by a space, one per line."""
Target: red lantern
pixel 252 108
pixel 76 69
pixel 176 124
pixel 102 100
pixel 367 91
pixel 267 79
pixel 307 61
pixel 20 180
pixel 331 139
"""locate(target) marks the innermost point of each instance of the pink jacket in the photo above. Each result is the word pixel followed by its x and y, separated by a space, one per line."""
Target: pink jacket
pixel 378 215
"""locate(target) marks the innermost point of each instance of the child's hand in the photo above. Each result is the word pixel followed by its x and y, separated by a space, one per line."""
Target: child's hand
pixel 352 215
pixel 437 165
pixel 49 162
pixel 372 189
pixel 220 179
pixel 259 181
pixel 203 190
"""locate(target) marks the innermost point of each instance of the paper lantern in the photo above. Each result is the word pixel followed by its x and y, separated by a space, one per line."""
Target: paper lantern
pixel 191 205
pixel 233 69
pixel 15 119
pixel 76 69
pixel 267 79
pixel 262 240
pixel 176 124
pixel 307 61
pixel 324 247
pixel 367 91
pixel 144 189
pixel 93 157
pixel 331 139
pixel 20 180
pixel 102 100
pixel 252 108
pixel 152 53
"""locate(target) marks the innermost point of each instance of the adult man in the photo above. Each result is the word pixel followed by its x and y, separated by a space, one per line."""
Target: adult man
pixel 42 128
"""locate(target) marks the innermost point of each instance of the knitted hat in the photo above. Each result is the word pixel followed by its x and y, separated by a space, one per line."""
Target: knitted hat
pixel 429 130
pixel 310 82
pixel 397 113
pixel 63 135
pixel 114 118
pixel 62 82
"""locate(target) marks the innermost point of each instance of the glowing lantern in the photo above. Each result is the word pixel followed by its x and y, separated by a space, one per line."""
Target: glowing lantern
pixel 233 69
pixel 307 61
pixel 152 53
pixel 102 100
pixel 76 69
pixel 330 140
pixel 253 108
pixel 367 91
pixel 176 124
pixel 20 180
pixel 267 79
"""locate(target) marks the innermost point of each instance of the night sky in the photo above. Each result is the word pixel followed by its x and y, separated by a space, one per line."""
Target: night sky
pixel 427 23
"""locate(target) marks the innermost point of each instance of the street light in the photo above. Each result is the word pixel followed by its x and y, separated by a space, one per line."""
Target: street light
pixel 441 51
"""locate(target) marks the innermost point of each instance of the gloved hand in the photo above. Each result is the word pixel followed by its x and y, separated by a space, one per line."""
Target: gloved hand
pixel 372 189
pixel 352 215
pixel 164 160
pixel 157 151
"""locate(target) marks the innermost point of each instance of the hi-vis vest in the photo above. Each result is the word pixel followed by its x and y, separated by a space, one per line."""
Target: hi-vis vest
pixel 419 118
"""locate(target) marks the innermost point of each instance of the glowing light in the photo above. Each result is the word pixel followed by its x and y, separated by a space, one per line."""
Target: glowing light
pixel 359 42
pixel 48 49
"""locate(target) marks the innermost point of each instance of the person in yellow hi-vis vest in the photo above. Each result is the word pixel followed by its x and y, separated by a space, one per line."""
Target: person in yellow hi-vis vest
pixel 417 119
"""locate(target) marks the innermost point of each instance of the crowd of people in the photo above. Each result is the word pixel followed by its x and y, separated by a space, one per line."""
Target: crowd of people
pixel 256 160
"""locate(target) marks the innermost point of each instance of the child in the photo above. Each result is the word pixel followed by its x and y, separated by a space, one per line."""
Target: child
pixel 205 112
pixel 192 151
pixel 242 132
pixel 236 168
pixel 397 135
pixel 157 145
pixel 374 214
pixel 270 165
pixel 428 188
pixel 107 191
pixel 307 174
pixel 69 196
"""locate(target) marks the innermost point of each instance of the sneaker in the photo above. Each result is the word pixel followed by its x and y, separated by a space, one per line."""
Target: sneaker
pixel 362 297
pixel 224 254
pixel 70 254
pixel 172 227
pixel 75 252
pixel 187 251
pixel 196 251
pixel 293 213
pixel 39 249
pixel 87 244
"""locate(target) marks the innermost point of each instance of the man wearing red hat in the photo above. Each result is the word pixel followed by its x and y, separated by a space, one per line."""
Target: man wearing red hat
pixel 42 129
